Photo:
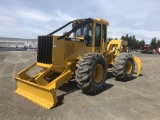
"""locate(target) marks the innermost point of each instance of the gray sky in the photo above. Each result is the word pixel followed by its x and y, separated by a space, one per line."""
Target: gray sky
pixel 30 18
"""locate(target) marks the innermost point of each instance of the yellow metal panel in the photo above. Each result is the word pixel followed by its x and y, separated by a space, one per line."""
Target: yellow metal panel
pixel 115 45
pixel 93 37
pixel 103 21
pixel 73 49
pixel 43 65
pixel 89 49
pixel 59 65
pixel 58 49
pixel 64 77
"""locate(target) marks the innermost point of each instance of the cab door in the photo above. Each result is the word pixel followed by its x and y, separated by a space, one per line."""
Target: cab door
pixel 98 37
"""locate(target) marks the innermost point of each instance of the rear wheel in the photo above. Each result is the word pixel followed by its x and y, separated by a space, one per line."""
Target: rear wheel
pixel 91 73
pixel 124 66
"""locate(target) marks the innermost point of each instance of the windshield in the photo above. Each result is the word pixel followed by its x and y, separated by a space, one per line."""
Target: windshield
pixel 87 29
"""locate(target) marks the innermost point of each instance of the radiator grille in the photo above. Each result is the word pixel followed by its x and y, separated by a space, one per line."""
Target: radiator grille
pixel 44 52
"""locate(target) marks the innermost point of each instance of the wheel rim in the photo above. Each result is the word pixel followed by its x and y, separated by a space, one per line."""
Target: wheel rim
pixel 98 73
pixel 128 67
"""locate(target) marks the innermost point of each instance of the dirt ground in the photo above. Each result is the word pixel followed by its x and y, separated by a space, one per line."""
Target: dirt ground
pixel 137 99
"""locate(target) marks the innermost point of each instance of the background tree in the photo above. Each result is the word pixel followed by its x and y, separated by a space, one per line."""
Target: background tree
pixel 141 43
pixel 109 39
pixel 153 43
pixel 133 43
pixel 158 43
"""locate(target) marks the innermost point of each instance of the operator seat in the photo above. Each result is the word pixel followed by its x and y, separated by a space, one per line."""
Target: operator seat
pixel 88 40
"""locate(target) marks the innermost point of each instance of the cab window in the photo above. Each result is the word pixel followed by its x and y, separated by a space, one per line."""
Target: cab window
pixel 104 32
pixel 98 35
pixel 79 32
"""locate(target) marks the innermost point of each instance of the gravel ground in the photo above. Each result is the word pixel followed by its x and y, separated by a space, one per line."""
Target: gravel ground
pixel 137 99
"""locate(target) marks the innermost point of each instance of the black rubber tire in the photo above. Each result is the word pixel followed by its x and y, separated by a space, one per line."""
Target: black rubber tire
pixel 120 64
pixel 84 73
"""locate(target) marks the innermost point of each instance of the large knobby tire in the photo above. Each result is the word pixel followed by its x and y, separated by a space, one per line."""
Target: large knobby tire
pixel 124 66
pixel 91 73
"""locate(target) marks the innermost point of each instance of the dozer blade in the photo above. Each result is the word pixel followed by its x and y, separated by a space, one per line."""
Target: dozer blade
pixel 37 89
pixel 36 93
pixel 139 65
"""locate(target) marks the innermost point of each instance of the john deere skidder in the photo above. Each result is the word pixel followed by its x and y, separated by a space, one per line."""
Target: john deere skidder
pixel 86 56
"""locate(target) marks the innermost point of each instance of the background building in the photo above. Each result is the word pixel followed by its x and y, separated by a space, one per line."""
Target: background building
pixel 17 44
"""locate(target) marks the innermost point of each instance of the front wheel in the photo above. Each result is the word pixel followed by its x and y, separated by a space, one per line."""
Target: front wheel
pixel 91 73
